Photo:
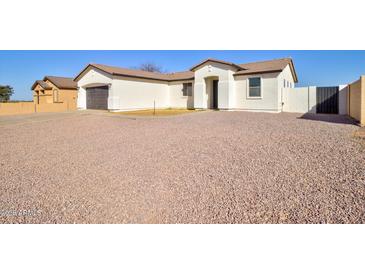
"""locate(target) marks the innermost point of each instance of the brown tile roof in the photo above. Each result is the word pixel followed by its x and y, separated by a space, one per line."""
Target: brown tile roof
pixel 118 71
pixel 61 82
pixel 131 72
pixel 215 61
pixel 184 75
pixel 275 65
pixel 243 69
pixel 43 84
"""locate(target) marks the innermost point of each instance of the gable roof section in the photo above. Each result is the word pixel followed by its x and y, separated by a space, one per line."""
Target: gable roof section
pixel 276 65
pixel 61 82
pixel 43 84
pixel 118 71
pixel 215 61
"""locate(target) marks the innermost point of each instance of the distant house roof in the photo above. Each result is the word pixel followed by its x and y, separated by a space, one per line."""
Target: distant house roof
pixel 59 82
pixel 276 65
pixel 43 84
pixel 118 71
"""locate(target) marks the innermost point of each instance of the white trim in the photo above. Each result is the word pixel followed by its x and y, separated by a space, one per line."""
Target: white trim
pixel 248 89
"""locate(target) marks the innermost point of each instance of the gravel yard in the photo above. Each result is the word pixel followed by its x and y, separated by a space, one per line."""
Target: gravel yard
pixel 209 167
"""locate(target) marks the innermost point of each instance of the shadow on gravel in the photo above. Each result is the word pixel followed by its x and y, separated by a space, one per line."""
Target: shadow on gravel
pixel 329 118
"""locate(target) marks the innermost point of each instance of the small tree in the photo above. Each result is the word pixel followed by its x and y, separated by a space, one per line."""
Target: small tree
pixel 5 93
pixel 151 67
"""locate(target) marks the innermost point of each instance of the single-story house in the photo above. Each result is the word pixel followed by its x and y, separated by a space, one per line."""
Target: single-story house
pixel 211 84
pixel 53 89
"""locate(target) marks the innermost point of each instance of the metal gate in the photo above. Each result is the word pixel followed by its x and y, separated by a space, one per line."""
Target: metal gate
pixel 97 97
pixel 327 100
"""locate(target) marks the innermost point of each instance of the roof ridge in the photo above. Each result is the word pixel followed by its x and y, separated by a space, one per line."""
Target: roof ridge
pixel 263 61
pixel 155 72
pixel 169 73
pixel 57 77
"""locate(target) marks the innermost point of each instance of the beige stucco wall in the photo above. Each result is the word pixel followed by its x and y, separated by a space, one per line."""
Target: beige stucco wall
pixel 356 100
pixel 132 93
pixel 177 99
pixel 226 85
pixel 209 90
pixel 269 100
pixel 288 77
pixel 299 100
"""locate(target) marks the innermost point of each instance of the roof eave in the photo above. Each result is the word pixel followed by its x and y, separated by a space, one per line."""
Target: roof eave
pixel 182 79
pixel 89 65
pixel 257 72
pixel 34 85
pixel 292 68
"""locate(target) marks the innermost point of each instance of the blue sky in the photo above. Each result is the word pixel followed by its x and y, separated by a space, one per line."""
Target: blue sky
pixel 319 68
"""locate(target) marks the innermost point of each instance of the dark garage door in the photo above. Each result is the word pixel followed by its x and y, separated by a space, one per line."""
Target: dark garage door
pixel 97 97
pixel 327 100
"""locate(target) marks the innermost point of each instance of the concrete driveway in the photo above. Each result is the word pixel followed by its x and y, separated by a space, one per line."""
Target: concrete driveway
pixel 213 167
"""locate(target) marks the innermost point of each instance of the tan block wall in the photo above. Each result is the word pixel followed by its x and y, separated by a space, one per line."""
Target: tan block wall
pixel 69 97
pixel 17 108
pixel 356 100
pixel 30 107
pixel 45 97
pixel 56 107
pixel 362 121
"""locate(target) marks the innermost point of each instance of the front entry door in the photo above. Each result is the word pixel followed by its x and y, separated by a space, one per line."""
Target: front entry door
pixel 215 94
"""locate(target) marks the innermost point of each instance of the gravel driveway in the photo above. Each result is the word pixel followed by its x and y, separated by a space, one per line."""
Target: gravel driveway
pixel 211 167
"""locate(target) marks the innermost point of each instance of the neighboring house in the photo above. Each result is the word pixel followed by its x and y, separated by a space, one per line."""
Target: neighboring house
pixel 54 89
pixel 211 84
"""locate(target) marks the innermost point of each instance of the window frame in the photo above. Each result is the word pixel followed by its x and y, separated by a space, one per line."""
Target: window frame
pixel 186 89
pixel 248 88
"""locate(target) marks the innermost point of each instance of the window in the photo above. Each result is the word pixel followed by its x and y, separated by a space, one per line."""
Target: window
pixel 187 89
pixel 254 87
pixel 284 83
pixel 55 95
